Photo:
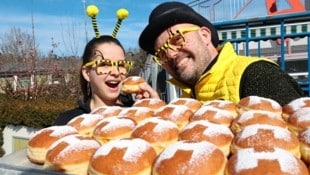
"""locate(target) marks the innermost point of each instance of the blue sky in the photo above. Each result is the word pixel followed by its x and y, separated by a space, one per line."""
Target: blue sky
pixel 59 19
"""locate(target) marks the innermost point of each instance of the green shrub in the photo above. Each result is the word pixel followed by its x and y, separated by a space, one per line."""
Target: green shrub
pixel 32 113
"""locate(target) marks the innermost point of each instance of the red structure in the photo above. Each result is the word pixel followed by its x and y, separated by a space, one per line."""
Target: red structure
pixel 296 6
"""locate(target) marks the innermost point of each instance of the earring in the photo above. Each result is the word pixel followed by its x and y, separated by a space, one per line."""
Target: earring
pixel 88 90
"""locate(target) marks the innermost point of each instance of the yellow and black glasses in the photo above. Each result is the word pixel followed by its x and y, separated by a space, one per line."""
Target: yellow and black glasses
pixel 175 42
pixel 105 66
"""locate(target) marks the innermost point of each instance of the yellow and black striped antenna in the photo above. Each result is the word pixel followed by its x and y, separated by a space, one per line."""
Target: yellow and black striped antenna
pixel 92 11
pixel 121 15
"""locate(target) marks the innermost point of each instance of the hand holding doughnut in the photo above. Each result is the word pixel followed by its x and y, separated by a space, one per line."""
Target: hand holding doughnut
pixel 137 85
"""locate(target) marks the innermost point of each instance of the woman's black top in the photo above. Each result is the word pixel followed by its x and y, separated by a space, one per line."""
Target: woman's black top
pixel 84 108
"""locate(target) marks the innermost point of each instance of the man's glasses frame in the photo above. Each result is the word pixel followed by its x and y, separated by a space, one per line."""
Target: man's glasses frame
pixel 175 42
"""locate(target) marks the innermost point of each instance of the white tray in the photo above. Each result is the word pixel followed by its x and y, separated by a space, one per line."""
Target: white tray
pixel 17 163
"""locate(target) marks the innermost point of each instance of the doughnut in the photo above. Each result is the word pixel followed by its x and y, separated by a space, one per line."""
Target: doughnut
pixel 152 103
pixel 107 111
pixel 213 114
pixel 187 157
pixel 257 117
pixel 123 156
pixel 113 128
pixel 223 104
pixel 159 132
pixel 191 103
pixel 275 161
pixel 294 105
pixel 71 154
pixel 202 130
pixel 179 114
pixel 132 84
pixel 299 120
pixel 136 113
pixel 85 123
pixel 258 103
pixel 266 136
pixel 40 141
pixel 304 140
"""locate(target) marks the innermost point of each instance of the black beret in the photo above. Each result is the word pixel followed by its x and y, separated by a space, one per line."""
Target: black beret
pixel 168 14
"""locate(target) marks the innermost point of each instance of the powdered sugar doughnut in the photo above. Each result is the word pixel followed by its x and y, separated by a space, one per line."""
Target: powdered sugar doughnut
pixel 304 139
pixel 223 104
pixel 259 103
pixel 137 114
pixel 213 114
pixel 299 120
pixel 266 136
pixel 132 84
pixel 71 154
pixel 123 156
pixel 107 111
pixel 265 161
pixel 294 105
pixel 191 103
pixel 152 103
pixel 179 114
pixel 85 123
pixel 159 132
pixel 203 130
pixel 39 143
pixel 113 128
pixel 257 117
pixel 186 157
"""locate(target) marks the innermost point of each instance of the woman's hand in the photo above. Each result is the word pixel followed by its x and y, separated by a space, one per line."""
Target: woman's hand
pixel 147 92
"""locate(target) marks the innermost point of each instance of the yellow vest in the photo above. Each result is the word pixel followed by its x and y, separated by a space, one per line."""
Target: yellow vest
pixel 222 81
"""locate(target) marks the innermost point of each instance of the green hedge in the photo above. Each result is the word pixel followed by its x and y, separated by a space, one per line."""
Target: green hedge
pixel 34 113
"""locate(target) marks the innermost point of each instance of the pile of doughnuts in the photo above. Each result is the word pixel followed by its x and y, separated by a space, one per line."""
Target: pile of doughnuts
pixel 154 137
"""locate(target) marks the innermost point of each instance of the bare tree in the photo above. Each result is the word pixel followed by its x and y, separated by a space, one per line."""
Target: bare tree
pixel 70 38
pixel 17 45
pixel 29 76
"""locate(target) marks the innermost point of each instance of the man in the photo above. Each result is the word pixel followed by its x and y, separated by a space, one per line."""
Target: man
pixel 187 46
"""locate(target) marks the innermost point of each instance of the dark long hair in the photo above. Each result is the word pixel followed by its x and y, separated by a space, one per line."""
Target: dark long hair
pixel 87 56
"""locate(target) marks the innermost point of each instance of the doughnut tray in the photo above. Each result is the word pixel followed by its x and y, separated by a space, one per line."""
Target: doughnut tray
pixel 17 163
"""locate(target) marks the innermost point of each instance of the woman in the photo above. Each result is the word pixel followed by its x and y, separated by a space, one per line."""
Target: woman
pixel 103 70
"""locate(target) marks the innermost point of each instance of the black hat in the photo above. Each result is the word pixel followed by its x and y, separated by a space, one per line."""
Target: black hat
pixel 168 14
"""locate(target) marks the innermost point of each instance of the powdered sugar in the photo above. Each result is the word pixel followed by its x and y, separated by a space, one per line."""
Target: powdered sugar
pixel 247 115
pixel 305 134
pixel 139 110
pixel 114 122
pixel 185 101
pixel 161 124
pixel 57 131
pixel 302 115
pixel 75 144
pixel 279 133
pixel 220 103
pixel 257 100
pixel 152 101
pixel 298 103
pixel 177 111
pixel 200 151
pixel 134 148
pixel 248 158
pixel 134 78
pixel 87 119
pixel 60 131
pixel 219 113
pixel 212 129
